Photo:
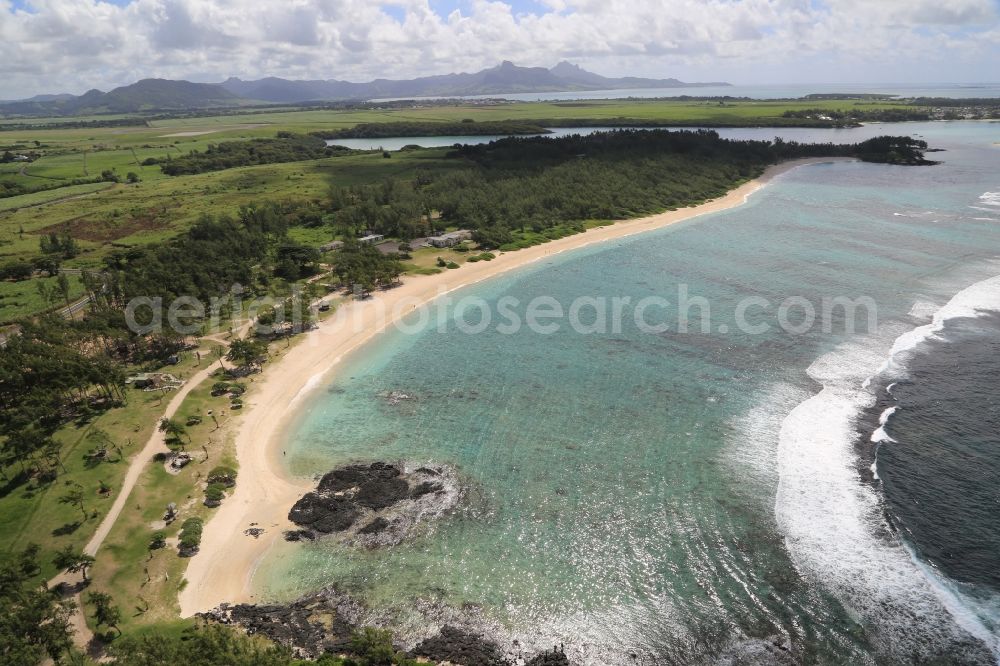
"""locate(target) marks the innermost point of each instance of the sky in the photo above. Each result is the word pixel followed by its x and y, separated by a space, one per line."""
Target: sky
pixel 56 46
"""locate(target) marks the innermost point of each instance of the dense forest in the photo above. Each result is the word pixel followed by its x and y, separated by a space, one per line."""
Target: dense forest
pixel 286 147
pixel 532 184
pixel 209 258
pixel 49 374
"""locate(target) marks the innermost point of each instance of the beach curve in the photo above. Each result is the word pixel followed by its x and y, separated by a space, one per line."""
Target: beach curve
pixel 223 570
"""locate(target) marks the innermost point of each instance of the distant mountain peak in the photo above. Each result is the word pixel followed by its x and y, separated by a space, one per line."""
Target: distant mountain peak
pixel 165 94
pixel 566 66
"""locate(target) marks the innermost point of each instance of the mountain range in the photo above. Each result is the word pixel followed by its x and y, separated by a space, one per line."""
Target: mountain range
pixel 166 95
pixel 506 78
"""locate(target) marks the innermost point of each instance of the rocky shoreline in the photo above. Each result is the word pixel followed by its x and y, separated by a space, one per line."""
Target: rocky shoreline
pixel 323 623
pixel 375 505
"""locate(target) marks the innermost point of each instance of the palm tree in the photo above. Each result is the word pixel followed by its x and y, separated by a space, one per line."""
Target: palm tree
pixel 174 431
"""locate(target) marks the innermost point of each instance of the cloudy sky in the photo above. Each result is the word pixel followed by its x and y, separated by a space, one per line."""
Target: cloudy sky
pixel 73 45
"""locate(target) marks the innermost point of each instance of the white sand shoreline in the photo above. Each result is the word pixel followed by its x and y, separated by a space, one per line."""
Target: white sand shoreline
pixel 223 570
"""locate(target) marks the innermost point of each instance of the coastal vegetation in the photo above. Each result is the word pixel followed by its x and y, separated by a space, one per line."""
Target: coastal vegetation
pixel 519 186
pixel 190 536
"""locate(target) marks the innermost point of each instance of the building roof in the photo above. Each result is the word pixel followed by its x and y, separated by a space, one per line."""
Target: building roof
pixel 461 233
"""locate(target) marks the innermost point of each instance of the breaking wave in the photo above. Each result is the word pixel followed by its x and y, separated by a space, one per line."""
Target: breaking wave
pixel 834 522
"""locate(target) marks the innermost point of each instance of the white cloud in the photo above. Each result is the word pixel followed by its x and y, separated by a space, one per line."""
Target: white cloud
pixel 72 45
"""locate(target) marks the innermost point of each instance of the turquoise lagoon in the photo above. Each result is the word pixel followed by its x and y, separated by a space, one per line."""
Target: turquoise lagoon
pixel 678 496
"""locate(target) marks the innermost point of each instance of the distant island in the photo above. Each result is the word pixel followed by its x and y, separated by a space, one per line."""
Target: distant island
pixel 167 95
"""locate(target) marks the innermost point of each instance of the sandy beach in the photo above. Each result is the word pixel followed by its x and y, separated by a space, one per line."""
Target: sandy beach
pixel 223 570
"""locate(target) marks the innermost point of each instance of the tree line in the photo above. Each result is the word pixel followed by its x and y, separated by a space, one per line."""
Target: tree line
pixel 285 147
pixel 467 127
pixel 522 184
pixel 855 116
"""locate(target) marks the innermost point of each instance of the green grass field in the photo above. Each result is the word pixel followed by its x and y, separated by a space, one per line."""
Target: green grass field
pixel 32 512
pixel 125 559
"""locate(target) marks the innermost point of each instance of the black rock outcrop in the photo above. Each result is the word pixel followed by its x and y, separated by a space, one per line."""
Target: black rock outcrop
pixel 323 623
pixel 374 505
pixel 457 646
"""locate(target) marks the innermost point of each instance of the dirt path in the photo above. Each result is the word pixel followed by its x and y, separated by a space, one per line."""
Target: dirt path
pixel 83 637
pixel 154 445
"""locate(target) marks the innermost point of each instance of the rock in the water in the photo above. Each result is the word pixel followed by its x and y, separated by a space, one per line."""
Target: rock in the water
pixel 324 513
pixel 375 505
pixel 352 476
pixel 425 488
pixel 299 535
pixel 554 658
pixel 374 527
pixel 382 494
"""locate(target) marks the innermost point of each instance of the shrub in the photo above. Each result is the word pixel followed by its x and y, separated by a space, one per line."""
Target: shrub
pixel 16 270
pixel 223 475
pixel 373 645
pixel 158 540
pixel 190 537
pixel 452 264
pixel 214 494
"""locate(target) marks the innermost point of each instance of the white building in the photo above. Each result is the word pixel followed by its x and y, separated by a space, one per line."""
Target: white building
pixel 450 238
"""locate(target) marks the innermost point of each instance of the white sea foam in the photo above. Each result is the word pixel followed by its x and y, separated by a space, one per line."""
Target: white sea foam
pixel 311 384
pixel 833 523
pixel 923 310
pixel 880 436
pixel 990 199
pixel 973 301
pixel 924 214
